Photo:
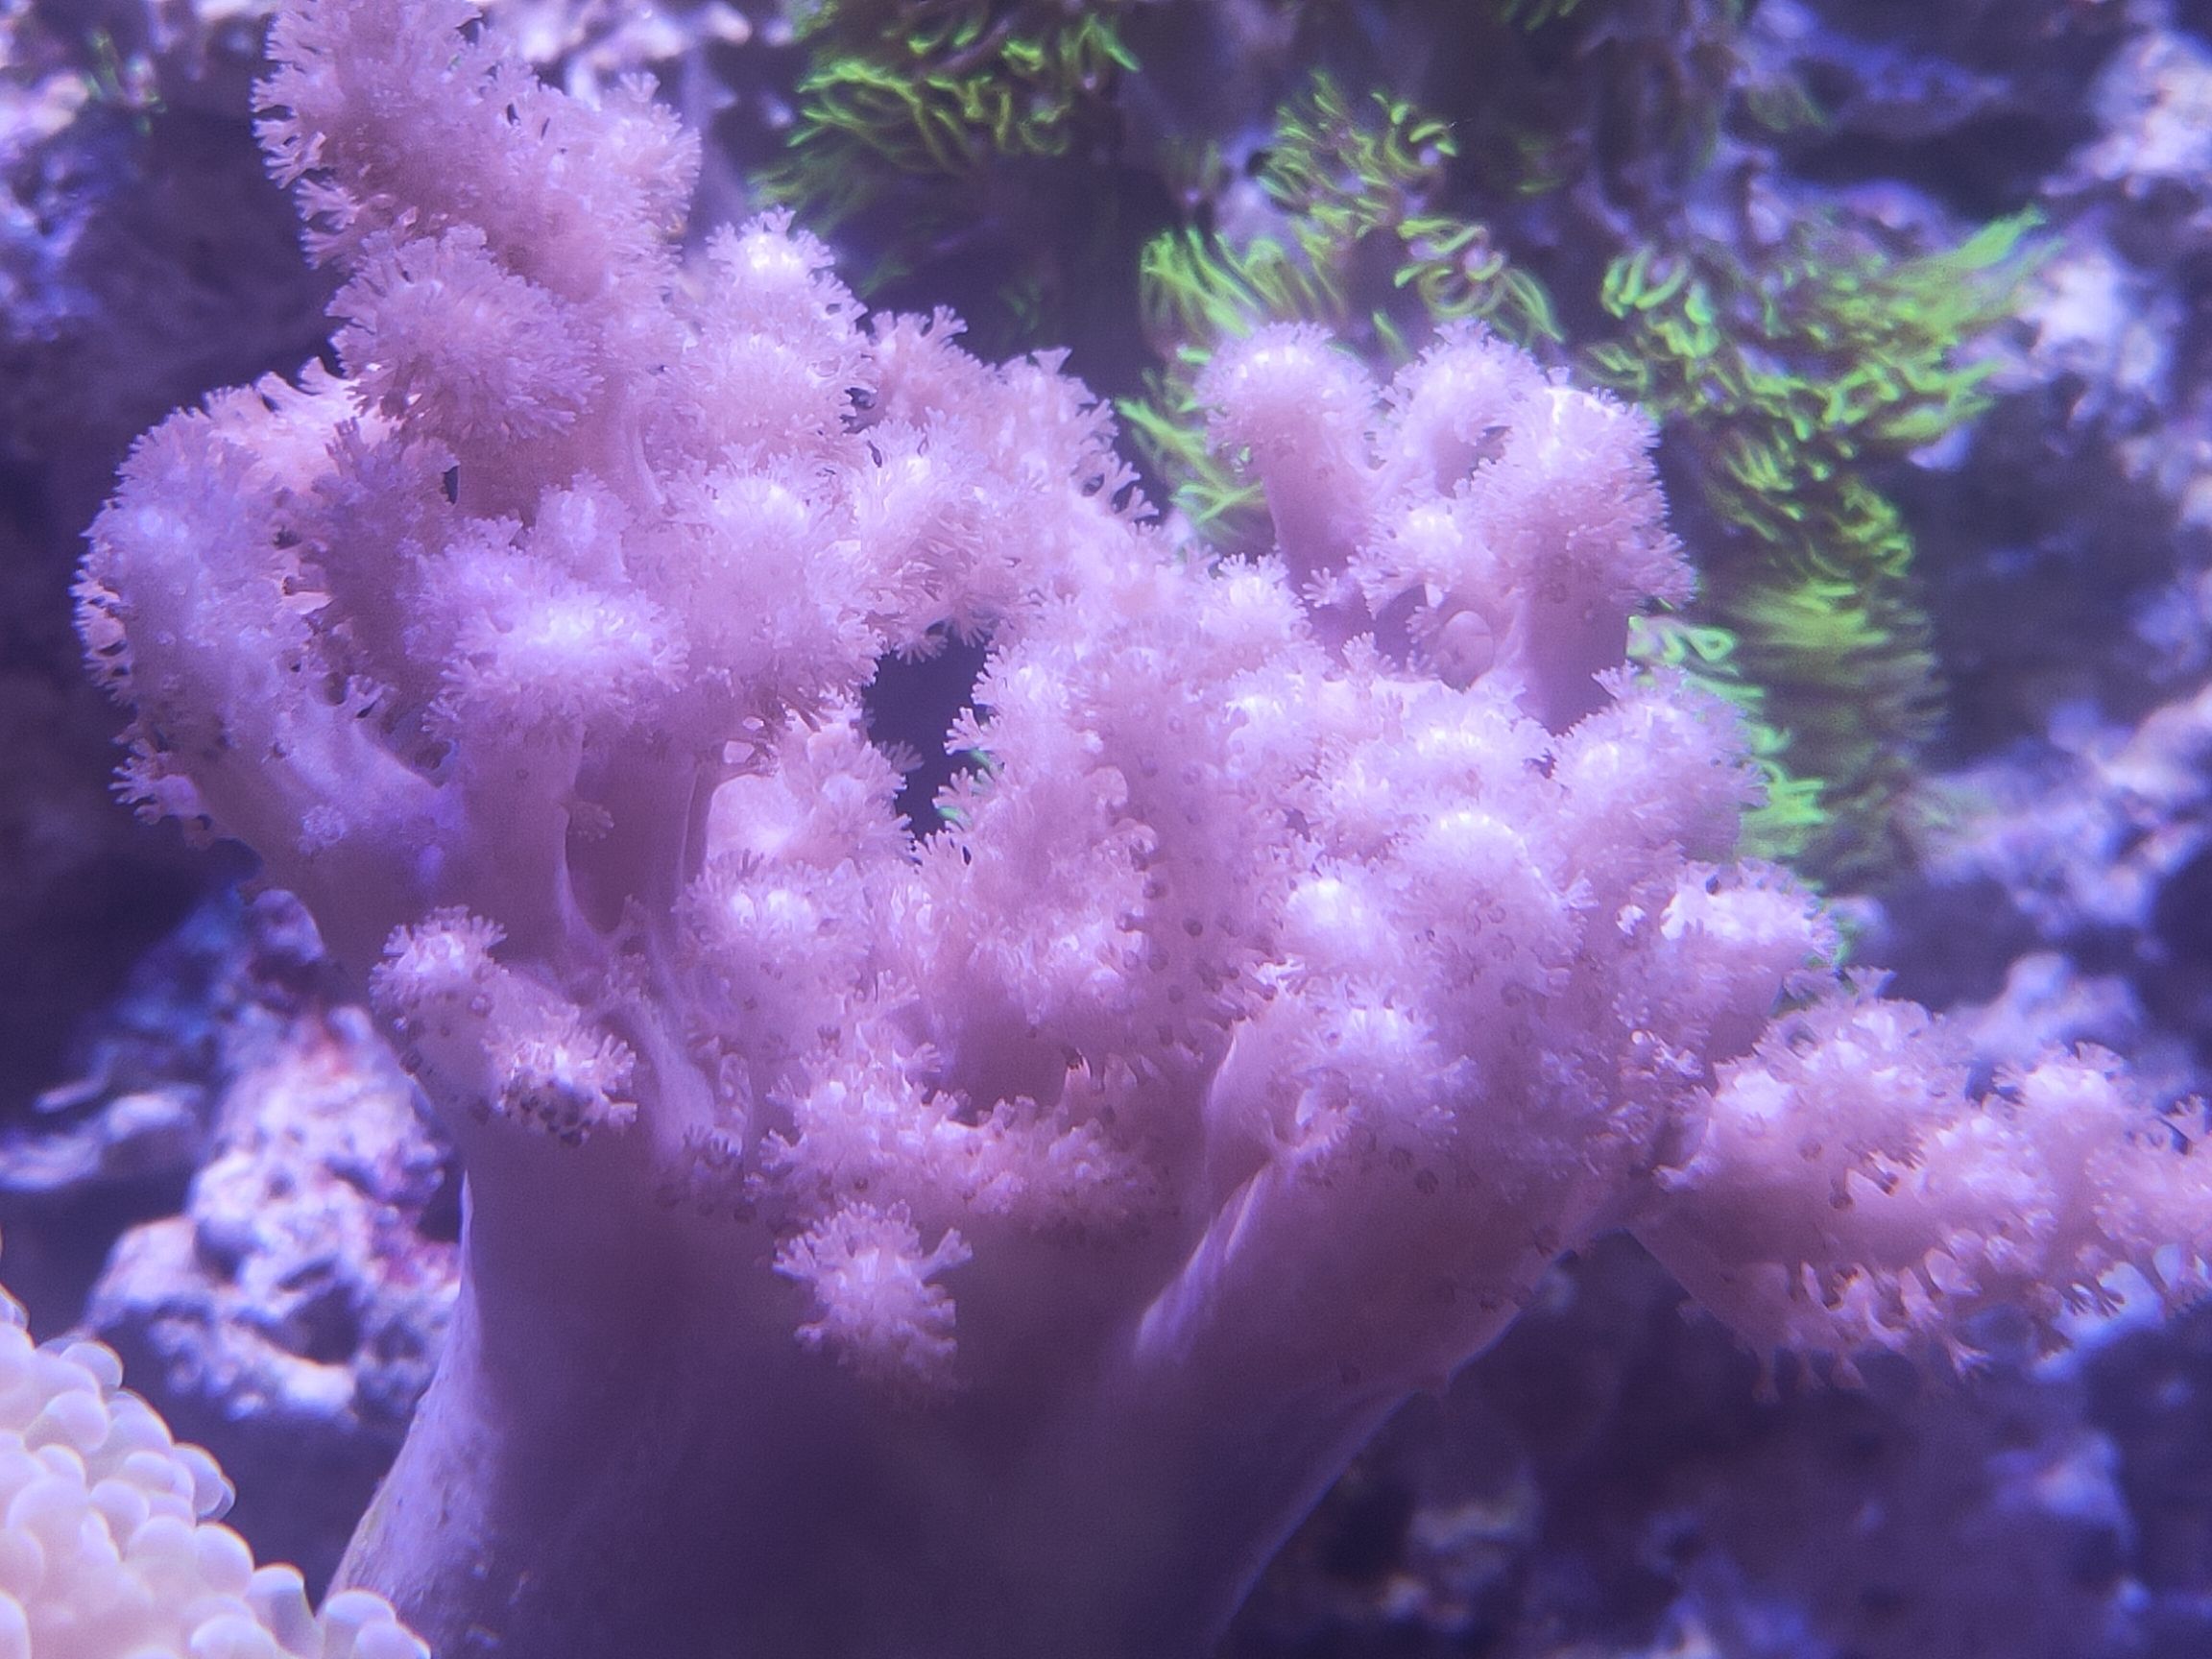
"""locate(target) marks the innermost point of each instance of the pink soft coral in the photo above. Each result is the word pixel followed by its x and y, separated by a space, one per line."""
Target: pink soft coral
pixel 988 1245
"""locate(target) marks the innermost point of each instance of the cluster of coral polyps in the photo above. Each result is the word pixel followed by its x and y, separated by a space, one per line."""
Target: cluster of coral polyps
pixel 989 1243
pixel 113 1543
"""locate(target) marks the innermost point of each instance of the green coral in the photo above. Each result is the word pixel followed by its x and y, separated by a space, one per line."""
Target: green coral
pixel 920 99
pixel 1785 387
pixel 1355 183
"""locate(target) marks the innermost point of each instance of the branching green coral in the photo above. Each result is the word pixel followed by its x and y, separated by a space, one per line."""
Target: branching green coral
pixel 1345 174
pixel 1342 170
pixel 1785 386
pixel 1194 286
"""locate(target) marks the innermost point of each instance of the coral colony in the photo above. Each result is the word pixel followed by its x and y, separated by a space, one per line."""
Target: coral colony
pixel 989 1243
